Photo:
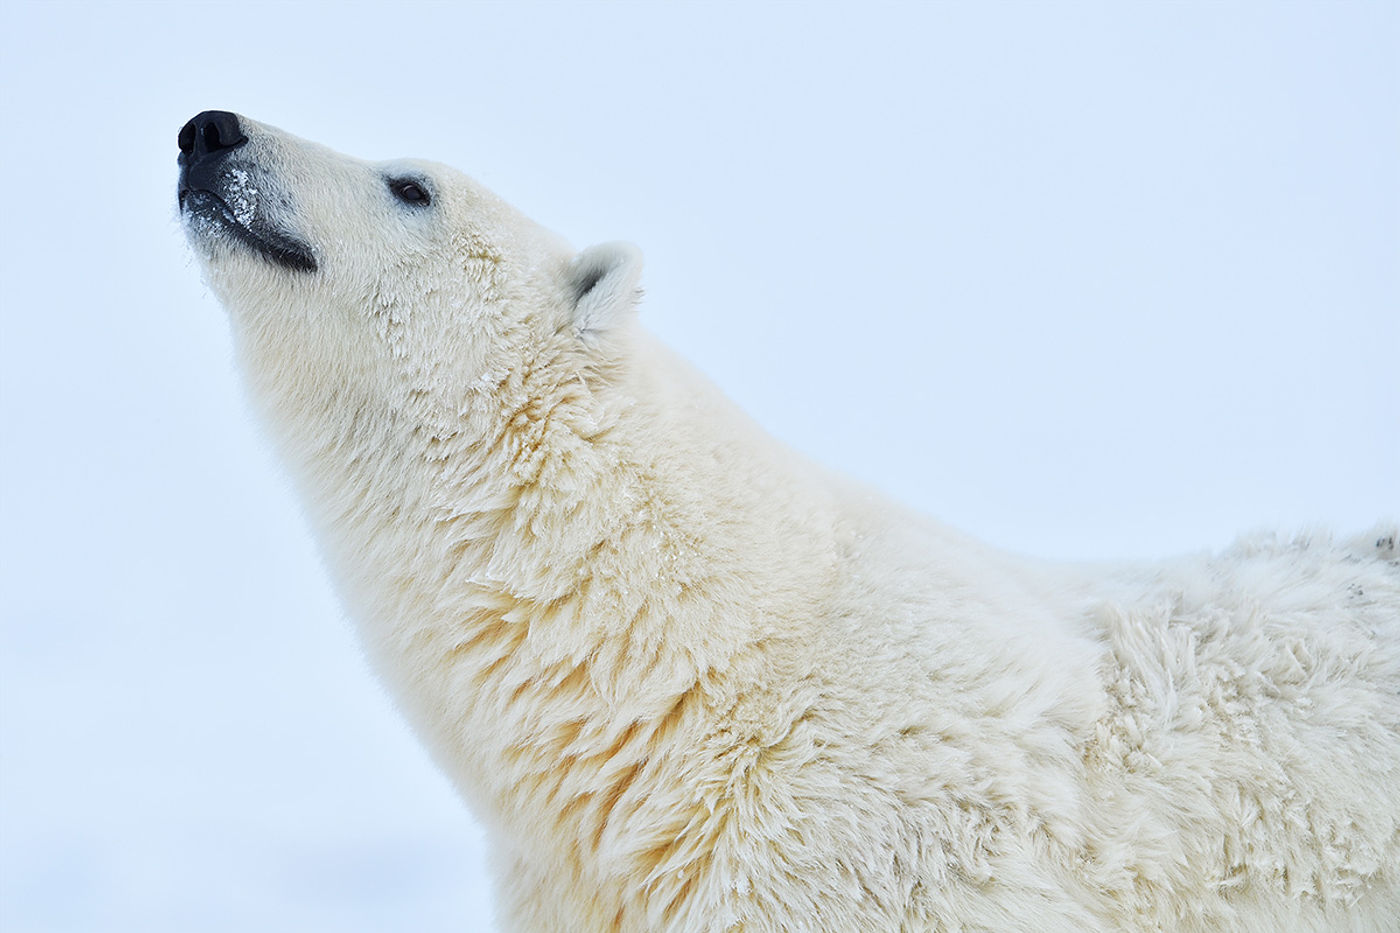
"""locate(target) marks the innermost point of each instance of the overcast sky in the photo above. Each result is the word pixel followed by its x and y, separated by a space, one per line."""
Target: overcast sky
pixel 1088 280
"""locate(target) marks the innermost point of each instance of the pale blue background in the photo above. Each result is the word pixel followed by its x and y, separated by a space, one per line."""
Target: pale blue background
pixel 1088 280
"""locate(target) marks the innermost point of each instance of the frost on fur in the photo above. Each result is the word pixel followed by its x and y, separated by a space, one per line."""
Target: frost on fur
pixel 691 682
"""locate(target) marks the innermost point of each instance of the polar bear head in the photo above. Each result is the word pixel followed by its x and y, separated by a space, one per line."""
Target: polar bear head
pixel 387 289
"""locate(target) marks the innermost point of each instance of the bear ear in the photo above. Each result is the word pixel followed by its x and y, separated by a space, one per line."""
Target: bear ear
pixel 602 283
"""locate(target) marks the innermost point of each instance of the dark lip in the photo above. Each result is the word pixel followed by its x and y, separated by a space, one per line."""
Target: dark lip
pixel 277 247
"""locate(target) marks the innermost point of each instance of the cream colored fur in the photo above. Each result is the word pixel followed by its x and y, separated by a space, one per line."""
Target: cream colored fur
pixel 691 682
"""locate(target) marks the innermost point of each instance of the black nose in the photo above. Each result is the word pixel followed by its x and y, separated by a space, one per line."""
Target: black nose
pixel 210 133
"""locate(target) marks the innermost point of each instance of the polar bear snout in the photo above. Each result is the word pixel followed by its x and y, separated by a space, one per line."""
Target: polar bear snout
pixel 205 143
pixel 225 195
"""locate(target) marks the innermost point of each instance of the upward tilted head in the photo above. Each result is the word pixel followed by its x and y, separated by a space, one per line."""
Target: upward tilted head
pixel 404 282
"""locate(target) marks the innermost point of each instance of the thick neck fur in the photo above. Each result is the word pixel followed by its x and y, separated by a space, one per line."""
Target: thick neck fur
pixel 546 584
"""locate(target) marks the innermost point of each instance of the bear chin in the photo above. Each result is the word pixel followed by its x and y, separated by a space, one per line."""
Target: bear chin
pixel 208 216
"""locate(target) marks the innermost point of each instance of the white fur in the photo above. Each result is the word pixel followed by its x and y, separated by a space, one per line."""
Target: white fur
pixel 691 682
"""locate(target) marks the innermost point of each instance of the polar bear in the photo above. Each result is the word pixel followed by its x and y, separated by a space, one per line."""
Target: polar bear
pixel 690 682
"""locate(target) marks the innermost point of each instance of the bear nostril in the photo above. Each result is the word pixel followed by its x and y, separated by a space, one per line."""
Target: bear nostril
pixel 211 132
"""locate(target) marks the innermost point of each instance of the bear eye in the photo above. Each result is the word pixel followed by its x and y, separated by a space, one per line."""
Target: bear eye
pixel 410 192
